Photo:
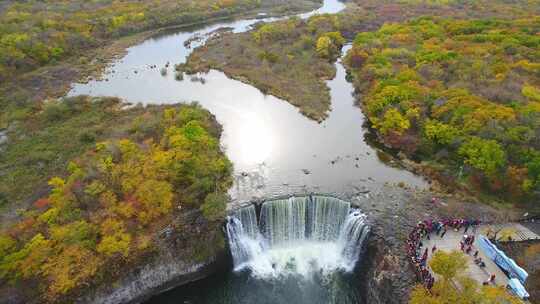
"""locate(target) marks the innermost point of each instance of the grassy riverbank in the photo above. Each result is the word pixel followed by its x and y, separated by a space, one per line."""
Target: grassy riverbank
pixel 40 147
pixel 290 59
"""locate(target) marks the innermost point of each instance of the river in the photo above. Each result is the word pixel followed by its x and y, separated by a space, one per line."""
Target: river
pixel 275 150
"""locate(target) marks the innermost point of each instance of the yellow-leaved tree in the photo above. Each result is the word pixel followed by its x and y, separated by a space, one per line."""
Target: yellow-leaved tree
pixel 447 265
pixel 454 288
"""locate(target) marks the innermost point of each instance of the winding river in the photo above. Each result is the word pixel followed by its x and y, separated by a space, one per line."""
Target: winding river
pixel 275 151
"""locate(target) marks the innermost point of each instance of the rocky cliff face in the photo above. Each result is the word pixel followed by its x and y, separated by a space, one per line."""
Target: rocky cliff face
pixel 387 276
pixel 187 250
pixel 385 272
pixel 166 270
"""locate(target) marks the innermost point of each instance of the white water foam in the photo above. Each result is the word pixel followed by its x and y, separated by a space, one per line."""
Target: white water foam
pixel 297 236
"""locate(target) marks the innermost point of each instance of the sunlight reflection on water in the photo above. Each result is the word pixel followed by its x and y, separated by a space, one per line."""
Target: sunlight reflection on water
pixel 274 149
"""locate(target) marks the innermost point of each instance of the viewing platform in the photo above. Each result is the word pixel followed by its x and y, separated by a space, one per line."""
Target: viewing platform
pixel 450 242
pixel 493 261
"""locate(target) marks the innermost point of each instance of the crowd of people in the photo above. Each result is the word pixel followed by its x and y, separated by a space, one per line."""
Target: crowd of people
pixel 430 228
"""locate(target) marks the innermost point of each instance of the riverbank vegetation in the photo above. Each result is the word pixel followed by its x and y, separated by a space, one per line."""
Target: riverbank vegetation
pixel 458 93
pixel 55 132
pixel 290 59
pixel 104 212
pixel 403 10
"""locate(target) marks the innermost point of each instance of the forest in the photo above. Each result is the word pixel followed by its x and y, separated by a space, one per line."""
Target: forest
pixel 462 94
pixel 103 213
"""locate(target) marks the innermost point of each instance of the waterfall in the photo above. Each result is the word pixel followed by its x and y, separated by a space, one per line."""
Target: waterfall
pixel 299 235
pixel 248 218
pixel 243 236
pixel 351 237
pixel 284 221
pixel 327 215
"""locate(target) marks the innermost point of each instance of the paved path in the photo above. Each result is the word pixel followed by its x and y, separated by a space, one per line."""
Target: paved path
pixel 533 225
pixel 451 242
pixel 518 232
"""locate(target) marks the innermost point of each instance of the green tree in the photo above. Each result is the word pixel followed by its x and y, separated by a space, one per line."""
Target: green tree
pixel 533 169
pixel 420 295
pixel 27 262
pixel 440 133
pixel 497 295
pixel 156 197
pixel 214 207
pixel 485 155
pixel 267 56
pixel 78 232
pixel 329 44
pixel 7 244
pixel 531 92
pixel 270 32
pixel 73 267
pixel 337 39
pixel 468 292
